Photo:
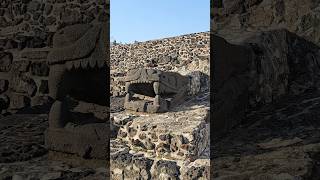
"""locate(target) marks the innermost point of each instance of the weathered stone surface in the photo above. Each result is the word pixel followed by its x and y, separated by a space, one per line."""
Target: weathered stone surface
pixel 86 141
pixel 40 68
pixel 3 85
pixel 284 63
pixel 125 165
pixel 70 17
pixel 18 101
pixel 20 143
pixel 166 170
pixel 199 82
pixel 200 169
pixel 21 83
pixel 5 62
pixel 21 66
pixel 41 168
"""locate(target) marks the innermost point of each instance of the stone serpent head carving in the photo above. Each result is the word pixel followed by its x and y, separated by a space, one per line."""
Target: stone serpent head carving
pixel 78 70
pixel 151 90
pixel 77 63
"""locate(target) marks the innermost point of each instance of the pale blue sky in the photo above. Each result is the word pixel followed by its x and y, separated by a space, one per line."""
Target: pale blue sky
pixel 143 20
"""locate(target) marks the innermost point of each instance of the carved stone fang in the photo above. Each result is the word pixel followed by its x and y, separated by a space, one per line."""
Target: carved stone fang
pixel 156 100
pixel 127 98
pixel 127 86
pixel 156 86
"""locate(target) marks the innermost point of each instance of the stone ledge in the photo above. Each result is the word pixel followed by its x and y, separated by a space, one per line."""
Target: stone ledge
pixel 35 53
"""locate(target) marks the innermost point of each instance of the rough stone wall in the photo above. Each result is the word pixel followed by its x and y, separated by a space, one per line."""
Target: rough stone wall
pixel 26 31
pixel 166 52
pixel 181 54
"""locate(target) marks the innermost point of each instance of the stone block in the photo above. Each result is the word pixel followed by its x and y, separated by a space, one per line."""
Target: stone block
pixel 40 68
pixel 44 88
pixel 18 101
pixel 21 83
pixel 125 164
pixel 4 102
pixel 166 170
pixel 199 169
pixel 5 62
pixel 3 85
pixel 21 66
pixel 174 135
